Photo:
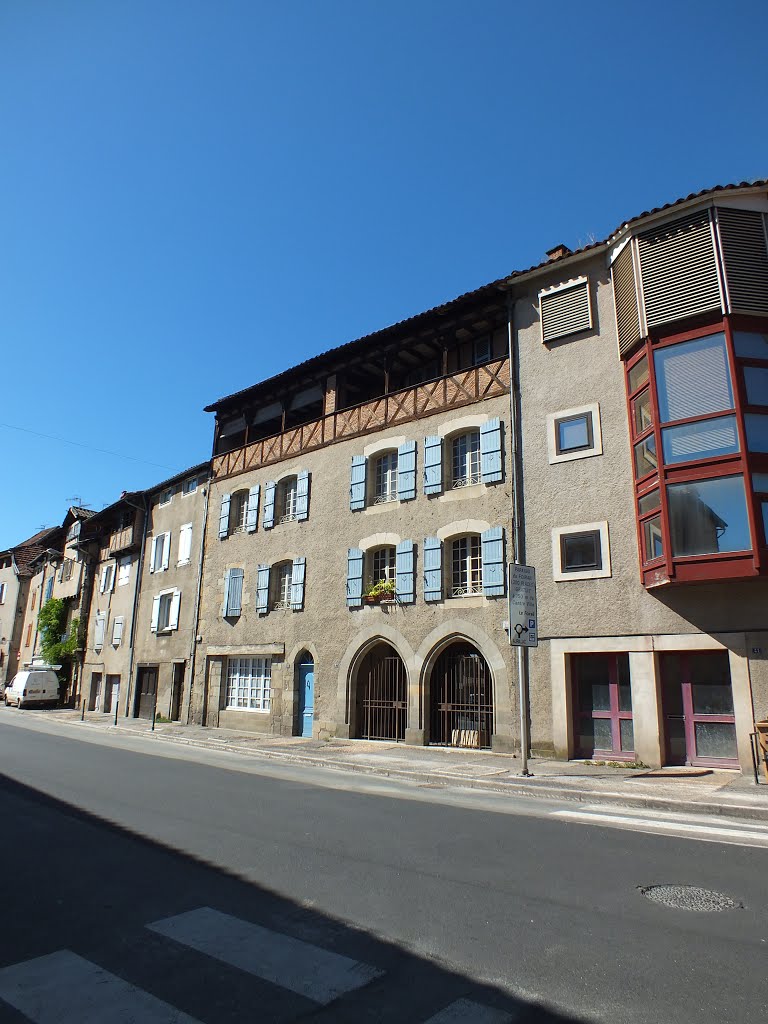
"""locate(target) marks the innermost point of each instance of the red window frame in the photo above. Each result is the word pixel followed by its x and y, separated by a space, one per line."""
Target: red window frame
pixel 666 568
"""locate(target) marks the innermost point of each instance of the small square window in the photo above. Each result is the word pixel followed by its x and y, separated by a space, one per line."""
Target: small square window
pixel 189 486
pixel 165 496
pixel 581 552
pixel 574 434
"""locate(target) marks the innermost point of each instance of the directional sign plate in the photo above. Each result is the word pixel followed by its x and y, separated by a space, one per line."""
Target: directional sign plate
pixel 523 618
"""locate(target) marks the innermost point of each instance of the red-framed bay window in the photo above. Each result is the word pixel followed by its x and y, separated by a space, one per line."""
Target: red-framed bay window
pixel 697 402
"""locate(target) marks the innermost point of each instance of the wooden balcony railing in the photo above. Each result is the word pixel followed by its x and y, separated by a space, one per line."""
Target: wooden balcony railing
pixel 123 539
pixel 452 392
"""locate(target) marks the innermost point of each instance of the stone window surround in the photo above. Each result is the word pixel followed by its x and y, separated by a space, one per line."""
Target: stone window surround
pixel 596 447
pixel 558 575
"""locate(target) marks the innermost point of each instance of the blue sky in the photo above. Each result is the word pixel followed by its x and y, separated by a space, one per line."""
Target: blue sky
pixel 197 195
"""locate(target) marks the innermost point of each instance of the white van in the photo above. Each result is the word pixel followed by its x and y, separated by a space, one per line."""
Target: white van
pixel 33 686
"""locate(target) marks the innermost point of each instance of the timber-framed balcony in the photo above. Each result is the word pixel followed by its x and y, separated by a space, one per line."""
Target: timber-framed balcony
pixel 453 391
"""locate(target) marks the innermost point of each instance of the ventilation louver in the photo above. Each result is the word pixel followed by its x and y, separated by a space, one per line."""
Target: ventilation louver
pixel 565 310
pixel 745 255
pixel 679 270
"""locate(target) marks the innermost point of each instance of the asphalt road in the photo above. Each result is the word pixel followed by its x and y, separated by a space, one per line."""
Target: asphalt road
pixel 166 884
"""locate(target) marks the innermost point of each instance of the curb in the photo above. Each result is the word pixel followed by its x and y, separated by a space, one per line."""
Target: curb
pixel 536 789
pixel 542 790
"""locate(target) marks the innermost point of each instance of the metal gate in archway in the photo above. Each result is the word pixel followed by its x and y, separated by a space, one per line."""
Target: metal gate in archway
pixel 382 696
pixel 461 698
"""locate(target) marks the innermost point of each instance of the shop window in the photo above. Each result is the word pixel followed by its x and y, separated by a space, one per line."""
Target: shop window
pixel 249 682
pixel 602 706
pixel 708 516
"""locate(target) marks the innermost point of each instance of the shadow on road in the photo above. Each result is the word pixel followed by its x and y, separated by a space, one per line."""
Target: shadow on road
pixel 77 882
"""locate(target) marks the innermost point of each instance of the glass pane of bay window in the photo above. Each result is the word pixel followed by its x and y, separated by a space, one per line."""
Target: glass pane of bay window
pixel 693 379
pixel 641 412
pixel 750 345
pixel 653 543
pixel 648 502
pixel 638 375
pixel 757 432
pixel 701 440
pixel 756 380
pixel 765 521
pixel 645 456
pixel 708 516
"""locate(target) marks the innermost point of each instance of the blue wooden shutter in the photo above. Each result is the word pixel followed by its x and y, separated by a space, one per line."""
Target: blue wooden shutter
pixel 490 452
pixel 302 495
pixel 223 517
pixel 493 561
pixel 354 578
pixel 262 590
pixel 404 589
pixel 433 465
pixel 233 592
pixel 357 483
pixel 433 569
pixel 252 515
pixel 269 504
pixel 297 583
pixel 406 471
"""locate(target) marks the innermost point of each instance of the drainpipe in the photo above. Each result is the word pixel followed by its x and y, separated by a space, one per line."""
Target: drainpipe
pixel 517 524
pixel 196 618
pixel 137 592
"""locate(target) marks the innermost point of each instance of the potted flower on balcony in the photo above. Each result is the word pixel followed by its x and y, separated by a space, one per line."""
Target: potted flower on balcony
pixel 382 590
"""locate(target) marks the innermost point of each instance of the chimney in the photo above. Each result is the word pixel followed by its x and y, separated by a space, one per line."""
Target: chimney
pixel 558 252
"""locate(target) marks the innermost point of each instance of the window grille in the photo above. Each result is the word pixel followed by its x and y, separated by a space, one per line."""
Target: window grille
pixel 466 567
pixel 466 460
pixel 288 500
pixel 283 581
pixel 386 478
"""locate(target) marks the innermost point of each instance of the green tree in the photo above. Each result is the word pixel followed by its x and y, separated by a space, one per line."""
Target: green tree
pixel 56 643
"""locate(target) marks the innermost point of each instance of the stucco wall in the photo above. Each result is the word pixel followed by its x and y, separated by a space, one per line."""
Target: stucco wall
pixel 11 619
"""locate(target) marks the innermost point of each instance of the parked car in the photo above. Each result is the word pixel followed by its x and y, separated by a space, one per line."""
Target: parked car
pixel 33 686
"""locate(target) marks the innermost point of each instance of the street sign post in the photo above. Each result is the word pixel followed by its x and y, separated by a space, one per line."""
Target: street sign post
pixel 523 619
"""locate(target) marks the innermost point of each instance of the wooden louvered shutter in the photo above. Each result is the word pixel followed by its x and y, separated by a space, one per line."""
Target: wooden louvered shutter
pixel 491 466
pixel 679 271
pixel 433 569
pixel 745 254
pixel 262 590
pixel 223 519
pixel 625 299
pixel 433 465
pixel 357 483
pixel 298 577
pixel 269 504
pixel 493 561
pixel 404 589
pixel 354 578
pixel 302 496
pixel 406 471
pixel 565 310
pixel 252 513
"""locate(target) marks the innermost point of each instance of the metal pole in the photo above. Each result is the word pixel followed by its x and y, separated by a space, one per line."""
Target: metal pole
pixel 523 713
pixel 117 704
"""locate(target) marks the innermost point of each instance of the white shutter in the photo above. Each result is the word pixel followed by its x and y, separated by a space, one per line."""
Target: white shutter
pixel 124 572
pixel 111 577
pixel 173 615
pixel 117 630
pixel 101 622
pixel 185 544
pixel 155 613
pixel 152 554
pixel 167 549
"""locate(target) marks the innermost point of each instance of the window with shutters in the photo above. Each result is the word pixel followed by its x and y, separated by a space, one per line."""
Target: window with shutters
pixel 286 499
pixel 238 512
pixel 574 434
pixel 249 684
pixel 565 310
pixel 281 581
pixel 465 459
pixel 107 578
pixel 124 571
pixel 164 612
pixel 117 630
pixel 160 552
pixel 581 552
pixel 233 593
pixel 69 567
pixel 385 478
pixel 466 566
pixel 185 544
pixel 381 565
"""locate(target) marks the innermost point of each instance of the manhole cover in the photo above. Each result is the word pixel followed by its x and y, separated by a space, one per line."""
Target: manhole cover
pixel 689 897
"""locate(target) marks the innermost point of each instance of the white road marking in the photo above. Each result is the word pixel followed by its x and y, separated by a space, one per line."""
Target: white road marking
pixel 290 963
pixel 464 1011
pixel 63 988
pixel 735 834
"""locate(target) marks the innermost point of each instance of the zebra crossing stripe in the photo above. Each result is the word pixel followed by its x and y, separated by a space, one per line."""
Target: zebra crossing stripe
pixel 292 964
pixel 63 988
pixel 464 1011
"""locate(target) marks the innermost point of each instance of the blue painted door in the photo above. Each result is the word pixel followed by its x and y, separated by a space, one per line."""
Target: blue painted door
pixel 306 697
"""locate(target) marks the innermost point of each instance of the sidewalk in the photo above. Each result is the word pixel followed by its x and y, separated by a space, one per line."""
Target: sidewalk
pixel 707 791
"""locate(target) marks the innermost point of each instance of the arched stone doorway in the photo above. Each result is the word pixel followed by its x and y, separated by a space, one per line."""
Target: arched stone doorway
pixel 380 695
pixel 461 698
